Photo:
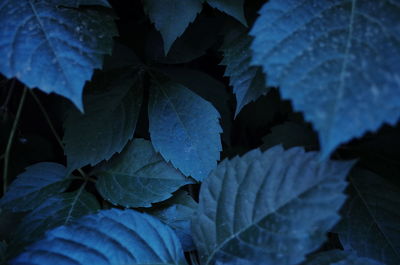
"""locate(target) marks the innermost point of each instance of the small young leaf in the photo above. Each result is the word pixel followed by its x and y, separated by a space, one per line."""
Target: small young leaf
pixel 268 208
pixel 248 82
pixel 371 218
pixel 172 17
pixel 138 177
pixel 34 186
pixel 184 128
pixel 49 45
pixel 177 212
pixel 336 257
pixel 336 60
pixel 112 108
pixel 233 8
pixel 57 210
pixel 109 237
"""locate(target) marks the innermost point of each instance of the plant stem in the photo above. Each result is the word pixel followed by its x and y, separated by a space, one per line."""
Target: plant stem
pixel 10 140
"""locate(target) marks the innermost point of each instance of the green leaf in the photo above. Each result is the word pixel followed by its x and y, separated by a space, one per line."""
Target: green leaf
pixel 336 257
pixel 233 8
pixel 55 211
pixel 34 186
pixel 370 225
pixel 138 177
pixel 112 105
pixel 177 212
pixel 172 17
pixel 53 45
pixel 248 82
pixel 336 60
pixel 268 208
pixel 109 237
pixel 184 128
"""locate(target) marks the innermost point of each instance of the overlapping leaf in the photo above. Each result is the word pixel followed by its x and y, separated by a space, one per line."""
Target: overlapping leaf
pixel 371 218
pixel 112 107
pixel 57 210
pixel 268 208
pixel 107 238
pixel 334 257
pixel 138 177
pixel 34 186
pixel 49 45
pixel 184 128
pixel 336 60
pixel 231 7
pixel 248 82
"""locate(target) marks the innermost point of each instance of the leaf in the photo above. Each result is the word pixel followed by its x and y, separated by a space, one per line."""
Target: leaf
pixel 55 211
pixel 230 7
pixel 248 82
pixel 184 128
pixel 109 237
pixel 112 104
pixel 370 224
pixel 51 46
pixel 138 177
pixel 172 17
pixel 334 257
pixel 3 250
pixel 268 208
pixel 291 134
pixel 336 60
pixel 177 212
pixel 34 186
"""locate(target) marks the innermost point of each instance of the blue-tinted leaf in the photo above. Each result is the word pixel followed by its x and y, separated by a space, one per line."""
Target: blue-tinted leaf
pixel 231 7
pixel 57 210
pixel 138 177
pixel 3 250
pixel 172 17
pixel 111 237
pixel 337 257
pixel 268 208
pixel 336 60
pixel 248 82
pixel 371 218
pixel 48 45
pixel 112 107
pixel 34 186
pixel 177 212
pixel 184 128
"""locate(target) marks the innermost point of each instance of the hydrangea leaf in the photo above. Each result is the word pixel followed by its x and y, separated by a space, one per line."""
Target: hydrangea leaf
pixel 32 187
pixel 184 128
pixel 138 177
pixel 112 105
pixel 48 45
pixel 370 224
pixel 268 208
pixel 106 238
pixel 172 17
pixel 336 60
pixel 58 210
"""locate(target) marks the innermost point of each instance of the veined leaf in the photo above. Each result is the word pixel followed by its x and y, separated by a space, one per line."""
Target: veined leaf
pixel 49 45
pixel 172 17
pixel 57 210
pixel 233 8
pixel 177 212
pixel 268 208
pixel 336 60
pixel 34 186
pixel 112 107
pixel 371 218
pixel 138 177
pixel 107 238
pixel 184 128
pixel 248 82
pixel 336 257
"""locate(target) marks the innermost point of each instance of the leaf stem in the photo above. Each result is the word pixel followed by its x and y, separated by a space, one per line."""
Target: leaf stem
pixel 10 140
